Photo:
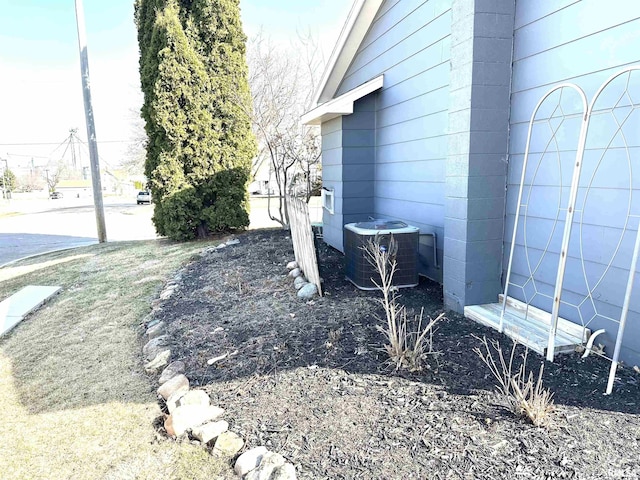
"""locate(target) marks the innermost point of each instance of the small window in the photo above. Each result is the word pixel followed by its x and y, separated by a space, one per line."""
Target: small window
pixel 327 199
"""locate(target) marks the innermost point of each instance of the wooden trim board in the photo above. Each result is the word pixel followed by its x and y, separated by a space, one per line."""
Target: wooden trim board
pixel 565 326
pixel 524 330
pixel 303 244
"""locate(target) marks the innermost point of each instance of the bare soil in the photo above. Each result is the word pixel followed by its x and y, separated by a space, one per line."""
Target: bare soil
pixel 310 380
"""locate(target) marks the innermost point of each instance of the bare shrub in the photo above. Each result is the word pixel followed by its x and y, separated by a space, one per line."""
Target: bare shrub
pixel 406 349
pixel 235 280
pixel 333 338
pixel 525 396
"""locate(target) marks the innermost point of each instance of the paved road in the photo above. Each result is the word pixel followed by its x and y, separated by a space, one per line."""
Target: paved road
pixel 69 226
pixel 38 226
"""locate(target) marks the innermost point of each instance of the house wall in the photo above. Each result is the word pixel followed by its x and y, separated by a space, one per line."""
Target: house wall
pixel 358 160
pixel 348 168
pixel 482 40
pixel 408 42
pixel 331 132
pixel 438 144
pixel 583 42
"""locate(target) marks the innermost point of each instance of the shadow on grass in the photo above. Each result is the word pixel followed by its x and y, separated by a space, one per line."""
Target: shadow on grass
pixel 82 348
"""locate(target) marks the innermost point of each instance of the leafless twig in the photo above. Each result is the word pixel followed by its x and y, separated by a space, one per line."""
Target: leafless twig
pixel 406 349
pixel 526 397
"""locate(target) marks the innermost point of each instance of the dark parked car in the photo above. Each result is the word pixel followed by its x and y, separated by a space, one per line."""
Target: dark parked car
pixel 55 195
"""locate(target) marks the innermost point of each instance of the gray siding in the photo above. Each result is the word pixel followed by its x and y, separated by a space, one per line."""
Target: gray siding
pixel 583 42
pixel 358 166
pixel 331 132
pixel 348 168
pixel 408 42
pixel 477 149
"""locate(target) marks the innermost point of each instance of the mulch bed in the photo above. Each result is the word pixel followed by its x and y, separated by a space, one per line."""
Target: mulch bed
pixel 311 381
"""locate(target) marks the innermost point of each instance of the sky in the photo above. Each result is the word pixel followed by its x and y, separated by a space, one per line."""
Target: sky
pixel 40 84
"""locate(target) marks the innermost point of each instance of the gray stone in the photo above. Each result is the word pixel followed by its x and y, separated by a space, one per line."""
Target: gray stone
pixel 308 291
pixel 228 444
pixel 249 460
pixel 153 323
pixel 159 361
pixel 270 461
pixel 155 346
pixel 210 431
pixel 292 265
pixel 296 272
pixel 173 369
pixel 167 292
pixel 154 351
pixel 179 383
pixel 233 241
pixel 157 330
pixel 194 397
pixel 299 282
pixel 285 472
pixel 172 401
pixel 186 417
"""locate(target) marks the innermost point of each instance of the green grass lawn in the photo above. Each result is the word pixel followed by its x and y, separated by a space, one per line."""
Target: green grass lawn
pixel 75 400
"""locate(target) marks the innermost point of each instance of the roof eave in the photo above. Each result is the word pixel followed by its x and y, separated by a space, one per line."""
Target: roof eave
pixel 355 28
pixel 343 105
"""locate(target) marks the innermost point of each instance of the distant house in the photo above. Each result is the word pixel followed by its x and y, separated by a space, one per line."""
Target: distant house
pixel 265 182
pixel 83 187
pixel 75 188
pixel 424 110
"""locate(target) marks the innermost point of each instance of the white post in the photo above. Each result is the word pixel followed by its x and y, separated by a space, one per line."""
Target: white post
pixel 583 98
pixel 625 313
pixel 564 249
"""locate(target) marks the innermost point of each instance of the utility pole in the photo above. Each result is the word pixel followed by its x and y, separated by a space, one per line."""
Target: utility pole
pixel 72 134
pixel 46 172
pixel 91 128
pixel 4 181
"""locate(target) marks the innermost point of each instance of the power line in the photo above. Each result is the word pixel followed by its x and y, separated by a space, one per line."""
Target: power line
pixel 67 142
pixel 66 139
pixel 87 147
pixel 58 143
pixel 27 156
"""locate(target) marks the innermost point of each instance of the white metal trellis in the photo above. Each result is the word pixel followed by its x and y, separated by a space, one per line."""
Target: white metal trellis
pixel 530 279
pixel 571 210
pixel 619 133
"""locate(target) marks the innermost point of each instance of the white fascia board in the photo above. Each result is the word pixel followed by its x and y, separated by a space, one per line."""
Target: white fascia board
pixel 343 105
pixel 355 28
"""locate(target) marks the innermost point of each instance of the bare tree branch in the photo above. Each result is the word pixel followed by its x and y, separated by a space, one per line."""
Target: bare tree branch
pixel 282 84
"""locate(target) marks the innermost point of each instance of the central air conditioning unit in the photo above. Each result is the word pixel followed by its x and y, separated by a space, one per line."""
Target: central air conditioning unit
pixel 359 270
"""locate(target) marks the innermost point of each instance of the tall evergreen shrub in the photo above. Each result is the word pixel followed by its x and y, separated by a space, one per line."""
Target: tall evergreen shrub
pixel 196 109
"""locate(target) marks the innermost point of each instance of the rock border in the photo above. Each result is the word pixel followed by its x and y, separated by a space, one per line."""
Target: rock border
pixel 190 412
pixel 306 290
